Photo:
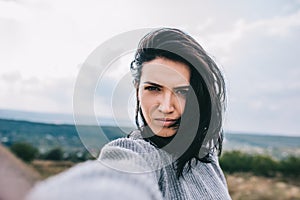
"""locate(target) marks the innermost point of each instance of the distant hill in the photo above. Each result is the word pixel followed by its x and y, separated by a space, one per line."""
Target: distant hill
pixel 274 145
pixel 55 118
pixel 46 136
pixel 36 116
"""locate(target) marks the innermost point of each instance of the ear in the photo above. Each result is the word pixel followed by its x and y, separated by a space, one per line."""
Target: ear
pixel 135 83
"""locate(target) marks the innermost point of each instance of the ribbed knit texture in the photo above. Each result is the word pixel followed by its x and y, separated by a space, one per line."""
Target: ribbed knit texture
pixel 203 181
pixel 131 168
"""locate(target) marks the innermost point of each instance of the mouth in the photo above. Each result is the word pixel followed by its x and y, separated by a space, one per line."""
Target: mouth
pixel 165 122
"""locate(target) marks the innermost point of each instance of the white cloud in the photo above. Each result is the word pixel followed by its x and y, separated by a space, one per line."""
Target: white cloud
pixel 43 43
pixel 223 43
pixel 15 11
pixel 33 94
pixel 261 62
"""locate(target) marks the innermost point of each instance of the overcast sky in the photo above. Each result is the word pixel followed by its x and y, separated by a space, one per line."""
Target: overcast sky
pixel 44 43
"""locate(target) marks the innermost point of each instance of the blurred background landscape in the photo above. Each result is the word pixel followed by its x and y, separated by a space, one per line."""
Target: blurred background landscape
pixel 257 166
pixel 45 44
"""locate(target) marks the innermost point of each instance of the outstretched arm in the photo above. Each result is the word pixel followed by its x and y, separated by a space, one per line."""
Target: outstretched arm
pixel 120 173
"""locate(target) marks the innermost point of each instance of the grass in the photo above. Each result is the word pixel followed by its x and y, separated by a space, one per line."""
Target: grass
pixel 50 168
pixel 245 186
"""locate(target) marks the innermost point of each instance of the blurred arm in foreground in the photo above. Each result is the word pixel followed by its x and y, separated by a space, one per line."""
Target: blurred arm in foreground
pixel 16 178
pixel 118 174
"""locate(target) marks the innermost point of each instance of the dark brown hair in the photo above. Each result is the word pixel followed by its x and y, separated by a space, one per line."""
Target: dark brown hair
pixel 201 123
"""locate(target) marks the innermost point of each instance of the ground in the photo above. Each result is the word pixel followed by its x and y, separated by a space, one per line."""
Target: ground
pixel 241 186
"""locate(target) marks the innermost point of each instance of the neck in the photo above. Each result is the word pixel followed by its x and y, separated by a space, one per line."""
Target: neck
pixel 156 140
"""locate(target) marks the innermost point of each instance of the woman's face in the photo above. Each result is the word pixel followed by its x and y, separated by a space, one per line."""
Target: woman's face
pixel 162 94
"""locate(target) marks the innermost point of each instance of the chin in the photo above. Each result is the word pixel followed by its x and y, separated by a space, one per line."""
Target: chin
pixel 165 132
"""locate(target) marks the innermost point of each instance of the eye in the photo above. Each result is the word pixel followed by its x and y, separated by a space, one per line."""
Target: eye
pixel 182 92
pixel 152 88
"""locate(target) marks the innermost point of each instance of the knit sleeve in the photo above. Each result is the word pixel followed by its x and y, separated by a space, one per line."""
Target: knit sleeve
pixel 121 172
pixel 218 170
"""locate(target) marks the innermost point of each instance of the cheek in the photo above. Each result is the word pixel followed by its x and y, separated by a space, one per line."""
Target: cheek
pixel 148 104
pixel 181 105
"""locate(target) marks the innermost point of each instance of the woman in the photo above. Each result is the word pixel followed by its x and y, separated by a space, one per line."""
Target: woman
pixel 173 154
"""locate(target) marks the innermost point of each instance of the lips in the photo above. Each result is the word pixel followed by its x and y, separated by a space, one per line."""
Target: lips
pixel 165 122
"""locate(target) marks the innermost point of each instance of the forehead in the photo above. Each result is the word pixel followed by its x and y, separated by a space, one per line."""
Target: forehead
pixel 166 72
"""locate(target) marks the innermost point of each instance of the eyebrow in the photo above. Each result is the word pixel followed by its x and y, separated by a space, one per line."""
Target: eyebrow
pixel 176 88
pixel 154 84
pixel 182 87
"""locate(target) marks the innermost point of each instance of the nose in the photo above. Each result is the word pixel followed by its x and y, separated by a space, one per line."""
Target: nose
pixel 166 104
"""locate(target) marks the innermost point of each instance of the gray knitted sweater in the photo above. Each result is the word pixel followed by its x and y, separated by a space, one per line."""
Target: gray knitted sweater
pixel 131 168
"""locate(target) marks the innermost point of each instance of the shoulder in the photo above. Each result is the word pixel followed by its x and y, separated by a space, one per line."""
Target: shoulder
pixel 216 169
pixel 135 144
pixel 130 155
